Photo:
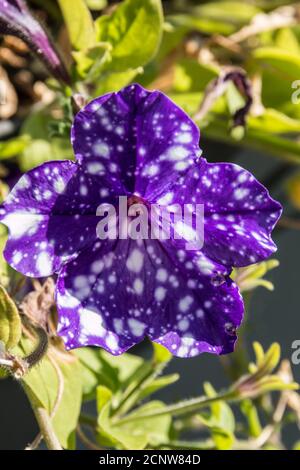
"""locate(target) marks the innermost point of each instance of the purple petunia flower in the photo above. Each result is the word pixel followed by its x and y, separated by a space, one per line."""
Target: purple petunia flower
pixel 112 293
pixel 17 20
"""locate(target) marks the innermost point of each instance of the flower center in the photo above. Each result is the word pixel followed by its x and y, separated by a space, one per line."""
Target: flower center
pixel 135 199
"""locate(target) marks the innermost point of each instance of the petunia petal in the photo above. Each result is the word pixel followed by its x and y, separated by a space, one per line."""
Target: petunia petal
pixel 239 213
pixel 140 137
pixel 119 292
pixel 51 216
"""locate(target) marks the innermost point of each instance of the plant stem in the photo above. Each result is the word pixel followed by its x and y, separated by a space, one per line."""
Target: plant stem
pixel 85 440
pixel 188 406
pixel 87 420
pixel 45 425
pixel 60 392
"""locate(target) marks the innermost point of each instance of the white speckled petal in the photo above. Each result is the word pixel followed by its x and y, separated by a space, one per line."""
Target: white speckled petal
pixel 141 138
pixel 118 293
pixel 48 218
pixel 114 292
pixel 239 213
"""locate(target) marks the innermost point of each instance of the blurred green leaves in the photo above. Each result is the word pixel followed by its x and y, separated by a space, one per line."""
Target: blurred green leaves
pixel 135 436
pixel 96 4
pixel 40 146
pixel 251 277
pixel 260 379
pixel 10 322
pixel 110 54
pixel 134 31
pixel 13 147
pixel 221 421
pixel 79 23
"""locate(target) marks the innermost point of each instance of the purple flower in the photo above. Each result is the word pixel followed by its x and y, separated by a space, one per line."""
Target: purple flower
pixel 17 20
pixel 113 293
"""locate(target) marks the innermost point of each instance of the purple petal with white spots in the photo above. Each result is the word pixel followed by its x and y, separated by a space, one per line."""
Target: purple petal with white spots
pixel 239 213
pixel 141 138
pixel 119 292
pixel 44 203
pixel 17 20
pixel 113 293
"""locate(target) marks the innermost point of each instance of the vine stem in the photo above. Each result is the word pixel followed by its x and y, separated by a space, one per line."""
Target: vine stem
pixel 85 440
pixel 188 406
pixel 45 425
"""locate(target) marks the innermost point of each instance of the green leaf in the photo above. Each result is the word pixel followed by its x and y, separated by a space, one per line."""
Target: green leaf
pixel 173 33
pixel 194 21
pixel 4 268
pixel 96 4
pixel 91 59
pixel 41 146
pixel 40 151
pixel 218 17
pixel 137 435
pixel 160 353
pixel 250 411
pixel 287 40
pixel 293 190
pixel 235 100
pixel 42 387
pixel 125 365
pixel 158 384
pixel 134 30
pixel 280 62
pixel 113 81
pixel 233 12
pixel 221 421
pixel 99 367
pixel 12 147
pixel 103 396
pixel 191 76
pixel 275 122
pixel 251 277
pixel 296 446
pixel 79 23
pixel 95 370
pixel 10 322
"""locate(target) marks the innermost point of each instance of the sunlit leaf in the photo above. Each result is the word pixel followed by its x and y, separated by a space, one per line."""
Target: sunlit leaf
pixel 98 367
pixel 137 435
pixel 103 396
pixel 79 23
pixel 221 421
pixel 42 386
pixel 280 62
pixel 12 147
pixel 134 30
pixel 41 146
pixel 286 39
pixel 191 76
pixel 96 4
pixel 10 322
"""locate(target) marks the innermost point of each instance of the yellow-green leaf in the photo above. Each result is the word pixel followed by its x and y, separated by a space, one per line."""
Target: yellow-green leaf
pixel 43 384
pixel 134 30
pixel 10 322
pixel 79 23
